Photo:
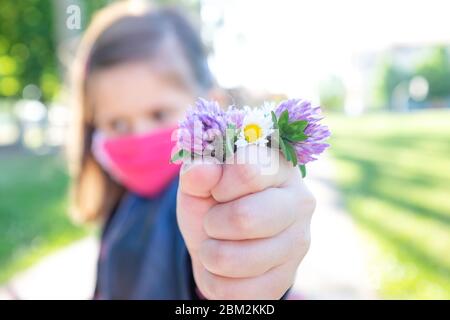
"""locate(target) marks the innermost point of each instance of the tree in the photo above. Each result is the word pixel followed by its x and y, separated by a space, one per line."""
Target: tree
pixel 30 37
pixel 435 67
pixel 28 46
pixel 388 76
pixel 27 49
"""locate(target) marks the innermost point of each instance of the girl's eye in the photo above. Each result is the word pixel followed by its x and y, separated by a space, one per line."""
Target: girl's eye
pixel 120 126
pixel 160 115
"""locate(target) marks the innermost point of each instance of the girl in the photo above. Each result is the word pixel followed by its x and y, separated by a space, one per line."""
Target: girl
pixel 135 75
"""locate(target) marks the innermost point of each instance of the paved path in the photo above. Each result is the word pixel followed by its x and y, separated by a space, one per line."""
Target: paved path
pixel 335 266
pixel 66 274
pixel 333 269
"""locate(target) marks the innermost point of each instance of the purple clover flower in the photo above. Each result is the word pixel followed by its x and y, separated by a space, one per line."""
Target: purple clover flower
pixel 204 123
pixel 235 116
pixel 299 109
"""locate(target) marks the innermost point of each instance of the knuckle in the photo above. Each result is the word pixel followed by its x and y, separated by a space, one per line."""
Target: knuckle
pixel 303 242
pixel 216 256
pixel 249 175
pixel 307 203
pixel 241 217
pixel 311 202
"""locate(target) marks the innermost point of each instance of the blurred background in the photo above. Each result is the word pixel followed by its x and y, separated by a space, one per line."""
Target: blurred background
pixel 380 70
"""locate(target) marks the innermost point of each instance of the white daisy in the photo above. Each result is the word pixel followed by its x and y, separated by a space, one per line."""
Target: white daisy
pixel 256 127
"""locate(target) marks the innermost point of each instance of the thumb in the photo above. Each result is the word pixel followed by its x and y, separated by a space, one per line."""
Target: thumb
pixel 194 200
pixel 199 177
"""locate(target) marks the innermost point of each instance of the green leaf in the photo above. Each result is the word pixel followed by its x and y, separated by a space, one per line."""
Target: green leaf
pixel 230 139
pixel 294 131
pixel 274 120
pixel 181 154
pixel 283 120
pixel 295 137
pixel 284 150
pixel 292 154
pixel 302 170
pixel 295 128
pixel 277 140
pixel 298 126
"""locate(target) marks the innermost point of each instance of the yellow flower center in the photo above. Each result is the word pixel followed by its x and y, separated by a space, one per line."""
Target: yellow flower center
pixel 252 132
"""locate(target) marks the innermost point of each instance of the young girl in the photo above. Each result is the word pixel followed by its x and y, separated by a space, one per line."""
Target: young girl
pixel 228 234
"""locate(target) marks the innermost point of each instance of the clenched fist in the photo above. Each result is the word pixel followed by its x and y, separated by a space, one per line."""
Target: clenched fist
pixel 246 231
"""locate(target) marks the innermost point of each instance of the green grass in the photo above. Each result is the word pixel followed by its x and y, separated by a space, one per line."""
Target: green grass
pixel 33 210
pixel 394 173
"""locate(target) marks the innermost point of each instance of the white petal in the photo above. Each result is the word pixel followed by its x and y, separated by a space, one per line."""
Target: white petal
pixel 241 143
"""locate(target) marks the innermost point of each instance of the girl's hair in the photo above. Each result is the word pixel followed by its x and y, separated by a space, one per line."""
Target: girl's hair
pixel 118 34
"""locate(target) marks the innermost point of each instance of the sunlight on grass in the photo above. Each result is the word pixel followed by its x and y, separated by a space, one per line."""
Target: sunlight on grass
pixel 394 173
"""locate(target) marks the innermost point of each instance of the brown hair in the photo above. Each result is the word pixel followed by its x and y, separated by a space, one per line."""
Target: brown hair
pixel 120 33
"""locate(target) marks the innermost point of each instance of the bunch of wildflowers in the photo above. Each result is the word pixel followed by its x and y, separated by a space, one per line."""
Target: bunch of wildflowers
pixel 293 126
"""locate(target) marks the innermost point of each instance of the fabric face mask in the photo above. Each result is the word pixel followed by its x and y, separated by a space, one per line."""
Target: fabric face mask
pixel 141 163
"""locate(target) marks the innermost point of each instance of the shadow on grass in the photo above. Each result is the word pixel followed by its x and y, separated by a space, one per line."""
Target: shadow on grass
pixel 371 174
pixel 405 246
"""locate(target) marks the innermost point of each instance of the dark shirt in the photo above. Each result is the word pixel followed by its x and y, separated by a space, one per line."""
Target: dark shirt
pixel 143 255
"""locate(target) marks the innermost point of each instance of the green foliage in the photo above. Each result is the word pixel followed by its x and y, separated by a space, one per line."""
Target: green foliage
pixel 295 131
pixel 388 75
pixel 230 140
pixel 435 67
pixel 289 132
pixel 302 170
pixel 89 9
pixel 180 155
pixel 27 47
pixel 290 153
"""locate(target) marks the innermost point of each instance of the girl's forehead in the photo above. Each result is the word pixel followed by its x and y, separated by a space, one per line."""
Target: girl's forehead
pixel 128 86
pixel 167 61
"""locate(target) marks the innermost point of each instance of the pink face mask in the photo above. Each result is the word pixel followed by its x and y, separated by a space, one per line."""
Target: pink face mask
pixel 141 163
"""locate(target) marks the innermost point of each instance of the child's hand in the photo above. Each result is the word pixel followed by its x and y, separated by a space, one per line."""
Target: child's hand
pixel 246 232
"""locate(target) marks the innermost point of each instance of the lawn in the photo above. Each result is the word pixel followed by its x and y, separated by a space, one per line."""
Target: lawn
pixel 394 173
pixel 33 209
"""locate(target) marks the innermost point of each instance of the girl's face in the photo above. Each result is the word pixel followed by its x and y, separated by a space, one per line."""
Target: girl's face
pixel 131 99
